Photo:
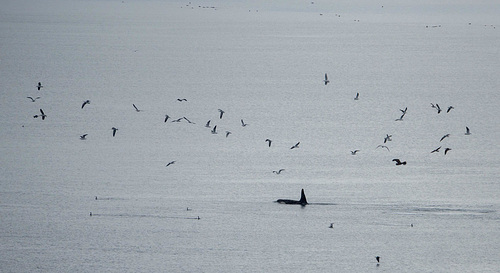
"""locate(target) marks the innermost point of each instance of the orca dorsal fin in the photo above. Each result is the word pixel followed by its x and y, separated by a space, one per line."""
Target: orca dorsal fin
pixel 303 200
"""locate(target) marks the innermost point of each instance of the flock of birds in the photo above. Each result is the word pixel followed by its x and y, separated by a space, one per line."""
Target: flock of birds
pixel 326 81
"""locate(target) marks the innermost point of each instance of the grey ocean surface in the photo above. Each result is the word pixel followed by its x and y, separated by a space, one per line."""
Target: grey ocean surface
pixel 263 63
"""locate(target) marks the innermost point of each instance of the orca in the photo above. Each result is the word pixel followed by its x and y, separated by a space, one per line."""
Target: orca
pixel 302 201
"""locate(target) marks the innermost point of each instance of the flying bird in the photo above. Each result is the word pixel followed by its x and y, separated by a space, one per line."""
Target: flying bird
pixel 296 145
pixel 445 136
pixel 383 146
pixel 438 108
pixel 243 123
pixel 177 120
pixel 39 85
pixel 354 152
pixel 357 96
pixel 449 109
pixel 467 131
pixel 436 150
pixel 403 111
pixel 166 118
pixel 136 109
pixel 188 120
pixel 114 131
pixel 269 141
pixel 326 79
pixel 378 259
pixel 170 163
pixel 43 116
pixel 214 130
pixel 399 162
pixel 221 113
pixel 208 124
pixel 387 138
pixel 446 150
pixel 228 133
pixel 85 103
pixel 278 171
pixel 33 99
pixel 181 99
pixel 83 137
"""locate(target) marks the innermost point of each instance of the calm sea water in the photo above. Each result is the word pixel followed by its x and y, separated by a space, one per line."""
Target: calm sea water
pixel 263 63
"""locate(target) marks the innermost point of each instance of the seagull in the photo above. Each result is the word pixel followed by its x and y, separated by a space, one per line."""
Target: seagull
pixel 278 171
pixel 214 130
pixel 296 145
pixel 404 111
pixel 387 138
pixel 85 102
pixel 177 120
pixel 43 116
pixel 208 124
pixel 331 225
pixel 436 150
pixel 438 108
pixel 83 137
pixel 467 131
pixel 221 113
pixel 136 109
pixel 181 99
pixel 269 141
pixel 33 99
pixel 446 150
pixel 326 79
pixel 357 96
pixel 449 109
pixel 354 152
pixel 170 163
pixel 228 133
pixel 401 118
pixel 398 162
pixel 243 123
pixel 114 131
pixel 383 146
pixel 166 118
pixel 39 85
pixel 445 136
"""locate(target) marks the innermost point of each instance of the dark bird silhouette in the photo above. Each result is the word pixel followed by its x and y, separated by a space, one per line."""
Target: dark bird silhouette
pixel 449 109
pixel 446 150
pixel 383 146
pixel 214 130
pixel 326 79
pixel 401 118
pixel 467 131
pixel 43 116
pixel 357 96
pixel 228 133
pixel 438 108
pixel 136 109
pixel 436 150
pixel 221 113
pixel 33 99
pixel 83 137
pixel 399 162
pixel 170 163
pixel 39 86
pixel 387 138
pixel 278 171
pixel 354 152
pixel 378 259
pixel 243 123
pixel 403 111
pixel 85 103
pixel 166 118
pixel 445 136
pixel 296 145
pixel 181 99
pixel 114 131
pixel 208 124
pixel 269 141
